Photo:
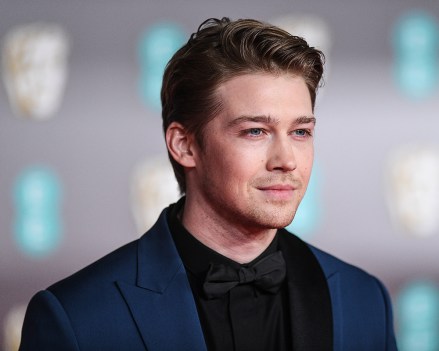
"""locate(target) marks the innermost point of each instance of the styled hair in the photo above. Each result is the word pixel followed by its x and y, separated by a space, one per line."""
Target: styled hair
pixel 220 50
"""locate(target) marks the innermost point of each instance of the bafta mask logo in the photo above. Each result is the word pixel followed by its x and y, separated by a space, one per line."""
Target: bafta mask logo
pixel 413 189
pixel 153 188
pixel 34 59
pixel 13 324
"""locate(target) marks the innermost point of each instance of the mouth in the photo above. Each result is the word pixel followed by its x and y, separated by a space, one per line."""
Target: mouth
pixel 278 191
pixel 278 187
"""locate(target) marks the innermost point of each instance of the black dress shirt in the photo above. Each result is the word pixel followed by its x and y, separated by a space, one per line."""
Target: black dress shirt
pixel 245 318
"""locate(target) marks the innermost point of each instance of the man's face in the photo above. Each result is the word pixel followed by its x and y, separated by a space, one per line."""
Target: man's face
pixel 254 166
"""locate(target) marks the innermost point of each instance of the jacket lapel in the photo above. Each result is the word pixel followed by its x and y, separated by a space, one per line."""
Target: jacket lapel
pixel 309 298
pixel 161 303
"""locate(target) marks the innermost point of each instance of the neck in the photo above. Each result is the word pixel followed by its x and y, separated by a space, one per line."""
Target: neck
pixel 236 242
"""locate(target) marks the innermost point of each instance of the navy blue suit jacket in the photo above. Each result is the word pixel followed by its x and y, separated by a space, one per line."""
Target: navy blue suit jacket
pixel 138 298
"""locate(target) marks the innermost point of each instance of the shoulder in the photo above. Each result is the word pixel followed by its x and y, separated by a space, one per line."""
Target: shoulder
pixel 60 316
pixel 111 266
pixel 361 305
pixel 92 297
pixel 351 282
pixel 121 265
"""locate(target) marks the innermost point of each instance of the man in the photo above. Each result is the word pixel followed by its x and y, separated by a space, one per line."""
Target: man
pixel 217 271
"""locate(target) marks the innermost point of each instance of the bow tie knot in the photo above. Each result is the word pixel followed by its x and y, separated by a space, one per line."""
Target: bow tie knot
pixel 246 275
pixel 266 274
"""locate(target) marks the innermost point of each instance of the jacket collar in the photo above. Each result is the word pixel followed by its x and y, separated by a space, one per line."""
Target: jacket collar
pixel 162 299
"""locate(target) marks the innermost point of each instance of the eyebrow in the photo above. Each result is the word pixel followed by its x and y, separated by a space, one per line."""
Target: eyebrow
pixel 305 120
pixel 270 120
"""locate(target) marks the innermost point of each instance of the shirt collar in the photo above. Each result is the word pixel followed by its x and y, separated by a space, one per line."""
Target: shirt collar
pixel 195 255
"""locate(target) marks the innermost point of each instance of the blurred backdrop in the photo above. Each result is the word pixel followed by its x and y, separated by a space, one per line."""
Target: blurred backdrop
pixel 83 166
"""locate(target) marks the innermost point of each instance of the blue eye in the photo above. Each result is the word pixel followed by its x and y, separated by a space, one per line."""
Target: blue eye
pixel 255 131
pixel 302 132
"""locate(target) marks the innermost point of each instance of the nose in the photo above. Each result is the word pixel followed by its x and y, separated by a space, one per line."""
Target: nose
pixel 281 155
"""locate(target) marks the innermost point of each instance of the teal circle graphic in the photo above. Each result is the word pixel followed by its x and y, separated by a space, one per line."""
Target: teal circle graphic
pixel 417 78
pixel 418 317
pixel 416 49
pixel 156 48
pixel 37 200
pixel 416 34
pixel 309 213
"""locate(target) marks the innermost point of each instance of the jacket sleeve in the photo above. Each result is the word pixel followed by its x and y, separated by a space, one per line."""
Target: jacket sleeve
pixel 46 325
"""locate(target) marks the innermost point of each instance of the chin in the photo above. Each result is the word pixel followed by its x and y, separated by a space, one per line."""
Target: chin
pixel 264 217
pixel 277 222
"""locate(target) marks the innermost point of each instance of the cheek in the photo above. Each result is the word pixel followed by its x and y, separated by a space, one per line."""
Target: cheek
pixel 236 176
pixel 305 172
pixel 307 159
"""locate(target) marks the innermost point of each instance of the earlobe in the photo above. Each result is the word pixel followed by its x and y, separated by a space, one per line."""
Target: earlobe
pixel 179 143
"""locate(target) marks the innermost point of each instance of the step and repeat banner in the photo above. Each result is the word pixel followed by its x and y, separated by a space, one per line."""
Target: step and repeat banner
pixel 83 165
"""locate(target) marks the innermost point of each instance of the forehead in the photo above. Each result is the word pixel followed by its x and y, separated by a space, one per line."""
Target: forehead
pixel 265 94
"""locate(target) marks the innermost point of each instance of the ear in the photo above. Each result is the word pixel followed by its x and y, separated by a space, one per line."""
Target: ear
pixel 180 144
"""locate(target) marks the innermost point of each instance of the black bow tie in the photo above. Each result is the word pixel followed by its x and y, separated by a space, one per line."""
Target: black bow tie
pixel 266 274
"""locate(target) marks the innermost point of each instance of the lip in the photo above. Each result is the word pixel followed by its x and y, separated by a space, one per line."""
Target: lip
pixel 278 187
pixel 278 192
